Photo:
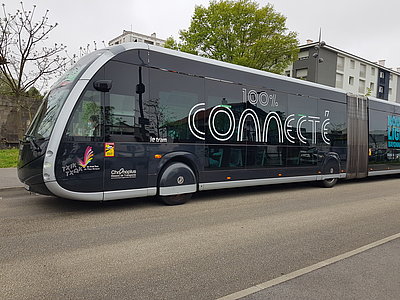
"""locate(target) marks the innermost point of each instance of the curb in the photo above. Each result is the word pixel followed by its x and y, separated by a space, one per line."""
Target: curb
pixel 10 188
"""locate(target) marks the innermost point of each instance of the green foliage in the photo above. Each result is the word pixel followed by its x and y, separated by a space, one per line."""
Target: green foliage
pixel 4 88
pixel 171 43
pixel 369 92
pixel 8 158
pixel 31 93
pixel 34 93
pixel 90 109
pixel 240 32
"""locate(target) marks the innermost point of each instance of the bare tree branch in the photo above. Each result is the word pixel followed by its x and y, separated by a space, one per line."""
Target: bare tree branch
pixel 25 59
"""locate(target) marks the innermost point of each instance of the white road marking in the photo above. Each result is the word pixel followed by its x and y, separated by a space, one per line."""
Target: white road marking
pixel 290 276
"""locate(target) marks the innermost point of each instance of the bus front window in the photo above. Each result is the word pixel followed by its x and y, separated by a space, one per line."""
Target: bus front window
pixel 48 112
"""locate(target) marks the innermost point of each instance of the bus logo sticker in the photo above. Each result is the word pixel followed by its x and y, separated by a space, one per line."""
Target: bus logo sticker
pixel 123 174
pixel 81 165
pixel 87 157
pixel 109 150
pixel 72 169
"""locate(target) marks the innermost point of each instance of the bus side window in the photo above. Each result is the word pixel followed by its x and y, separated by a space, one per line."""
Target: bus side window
pixel 172 97
pixel 86 118
pixel 226 157
pixel 124 103
pixel 121 115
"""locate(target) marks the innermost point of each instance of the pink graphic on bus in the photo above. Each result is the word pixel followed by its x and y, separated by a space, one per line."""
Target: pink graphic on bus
pixel 87 158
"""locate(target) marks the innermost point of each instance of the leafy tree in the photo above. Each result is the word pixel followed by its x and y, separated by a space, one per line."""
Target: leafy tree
pixel 240 32
pixel 171 43
pixel 25 59
pixel 34 93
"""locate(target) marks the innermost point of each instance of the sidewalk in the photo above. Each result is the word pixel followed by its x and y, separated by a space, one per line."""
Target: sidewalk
pixel 9 178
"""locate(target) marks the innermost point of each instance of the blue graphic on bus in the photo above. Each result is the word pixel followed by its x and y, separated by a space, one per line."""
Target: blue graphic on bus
pixel 393 131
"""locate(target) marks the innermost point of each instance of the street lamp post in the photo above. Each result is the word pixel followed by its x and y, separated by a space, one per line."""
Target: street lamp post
pixel 316 55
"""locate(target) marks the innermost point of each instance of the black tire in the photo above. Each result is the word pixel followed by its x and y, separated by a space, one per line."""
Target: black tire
pixel 328 183
pixel 176 199
pixel 330 168
pixel 170 175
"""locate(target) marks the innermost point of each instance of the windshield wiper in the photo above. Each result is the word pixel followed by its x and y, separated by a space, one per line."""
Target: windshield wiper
pixel 32 140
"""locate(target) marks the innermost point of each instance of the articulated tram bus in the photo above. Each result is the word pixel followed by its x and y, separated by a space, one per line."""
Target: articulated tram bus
pixel 135 120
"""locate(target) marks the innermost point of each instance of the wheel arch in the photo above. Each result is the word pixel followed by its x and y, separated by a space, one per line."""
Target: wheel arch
pixel 331 158
pixel 187 158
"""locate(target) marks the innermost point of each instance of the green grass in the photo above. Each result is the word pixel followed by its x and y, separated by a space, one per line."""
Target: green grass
pixel 8 158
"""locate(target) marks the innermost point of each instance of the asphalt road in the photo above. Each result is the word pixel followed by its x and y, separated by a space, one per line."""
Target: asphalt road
pixel 219 243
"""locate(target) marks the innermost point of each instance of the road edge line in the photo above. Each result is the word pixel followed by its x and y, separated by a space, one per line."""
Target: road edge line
pixel 262 286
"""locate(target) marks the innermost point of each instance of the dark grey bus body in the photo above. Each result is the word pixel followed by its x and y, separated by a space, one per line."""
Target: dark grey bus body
pixel 136 120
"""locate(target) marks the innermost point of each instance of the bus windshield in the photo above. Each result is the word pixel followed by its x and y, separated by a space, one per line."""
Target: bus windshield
pixel 47 114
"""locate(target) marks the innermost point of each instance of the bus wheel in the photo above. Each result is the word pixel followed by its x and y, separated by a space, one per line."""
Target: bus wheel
pixel 176 199
pixel 330 168
pixel 177 183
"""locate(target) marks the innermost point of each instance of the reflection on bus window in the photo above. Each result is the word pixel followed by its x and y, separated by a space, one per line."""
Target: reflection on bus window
pixel 121 115
pixel 227 157
pixel 86 118
pixel 172 96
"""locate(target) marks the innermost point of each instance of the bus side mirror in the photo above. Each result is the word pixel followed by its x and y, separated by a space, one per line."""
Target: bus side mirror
pixel 140 88
pixel 103 85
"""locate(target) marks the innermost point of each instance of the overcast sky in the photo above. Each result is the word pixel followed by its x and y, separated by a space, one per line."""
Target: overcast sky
pixel 366 28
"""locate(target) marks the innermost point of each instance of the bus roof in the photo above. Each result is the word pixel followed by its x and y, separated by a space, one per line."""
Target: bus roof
pixel 135 45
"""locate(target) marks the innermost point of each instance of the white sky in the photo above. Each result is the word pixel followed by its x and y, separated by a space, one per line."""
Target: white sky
pixel 366 28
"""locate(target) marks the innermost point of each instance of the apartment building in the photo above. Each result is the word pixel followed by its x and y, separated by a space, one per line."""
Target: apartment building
pixel 130 36
pixel 337 68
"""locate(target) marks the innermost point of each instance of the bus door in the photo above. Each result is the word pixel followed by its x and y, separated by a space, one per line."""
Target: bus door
pixel 125 158
pixel 79 162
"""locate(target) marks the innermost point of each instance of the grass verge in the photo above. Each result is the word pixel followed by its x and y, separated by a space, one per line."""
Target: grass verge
pixel 8 158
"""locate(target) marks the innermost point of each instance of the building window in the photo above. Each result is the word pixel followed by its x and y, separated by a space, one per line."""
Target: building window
pixel 381 89
pixel 339 80
pixel 391 77
pixel 303 55
pixel 351 80
pixel 340 63
pixel 390 91
pixel 372 86
pixel 381 74
pixel 373 71
pixel 352 64
pixel 363 70
pixel 361 86
pixel 302 73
